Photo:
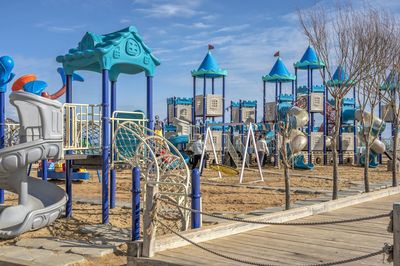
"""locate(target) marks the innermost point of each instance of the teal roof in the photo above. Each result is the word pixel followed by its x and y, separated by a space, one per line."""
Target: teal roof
pixel 279 73
pixel 120 52
pixel 209 68
pixel 392 81
pixel 309 60
pixel 339 78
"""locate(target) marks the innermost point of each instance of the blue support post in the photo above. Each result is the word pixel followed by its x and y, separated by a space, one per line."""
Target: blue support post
pixel 240 121
pixel 2 130
pixel 168 122
pixel 325 120
pixel 275 125
pixel 380 116
pixel 212 92
pixel 105 145
pixel 294 98
pixel 341 137
pixel 135 203
pixel 174 107
pixel 223 116
pixel 204 104
pixel 44 170
pixel 196 199
pixel 68 168
pixel 309 116
pixel 255 113
pixel 194 104
pixel 264 99
pixel 113 173
pixel 355 129
pixel 150 102
pixel 295 85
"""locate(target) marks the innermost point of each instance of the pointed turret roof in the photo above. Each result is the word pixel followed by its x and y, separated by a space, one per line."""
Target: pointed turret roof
pixel 209 68
pixel 279 73
pixel 309 60
pixel 340 77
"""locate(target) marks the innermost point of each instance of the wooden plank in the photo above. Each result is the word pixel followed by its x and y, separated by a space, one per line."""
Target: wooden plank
pixel 230 228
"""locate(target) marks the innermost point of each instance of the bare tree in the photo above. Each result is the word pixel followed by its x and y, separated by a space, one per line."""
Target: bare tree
pixel 285 130
pixel 379 36
pixel 339 40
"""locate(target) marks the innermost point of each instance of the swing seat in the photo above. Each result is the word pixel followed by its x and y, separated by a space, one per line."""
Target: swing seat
pixel 224 169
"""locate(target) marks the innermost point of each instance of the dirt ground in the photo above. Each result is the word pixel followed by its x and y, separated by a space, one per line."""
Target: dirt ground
pixel 224 195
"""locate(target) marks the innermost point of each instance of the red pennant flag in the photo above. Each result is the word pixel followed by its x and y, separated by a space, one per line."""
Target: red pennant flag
pixel 210 47
pixel 276 54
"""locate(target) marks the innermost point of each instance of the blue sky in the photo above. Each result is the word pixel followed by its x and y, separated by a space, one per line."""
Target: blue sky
pixel 245 35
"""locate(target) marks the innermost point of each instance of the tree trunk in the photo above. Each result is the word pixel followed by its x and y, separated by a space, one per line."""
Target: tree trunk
pixel 287 186
pixel 366 167
pixel 394 159
pixel 335 174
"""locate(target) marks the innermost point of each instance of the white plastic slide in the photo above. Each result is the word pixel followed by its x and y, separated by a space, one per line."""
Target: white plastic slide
pixel 41 135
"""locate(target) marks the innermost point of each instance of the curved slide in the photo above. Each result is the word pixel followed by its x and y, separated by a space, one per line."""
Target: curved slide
pixel 180 139
pixel 40 203
pixel 298 118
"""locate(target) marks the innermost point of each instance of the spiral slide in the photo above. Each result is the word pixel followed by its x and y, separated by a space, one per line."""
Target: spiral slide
pixel 180 139
pixel 40 203
pixel 297 139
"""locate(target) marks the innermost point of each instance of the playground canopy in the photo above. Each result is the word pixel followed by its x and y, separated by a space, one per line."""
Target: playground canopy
pixel 119 52
pixel 309 60
pixel 209 68
pixel 339 78
pixel 279 73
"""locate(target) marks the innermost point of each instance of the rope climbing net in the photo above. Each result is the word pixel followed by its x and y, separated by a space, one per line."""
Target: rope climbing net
pixel 161 164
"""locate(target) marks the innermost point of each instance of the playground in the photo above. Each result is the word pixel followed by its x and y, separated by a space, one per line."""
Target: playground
pixel 91 183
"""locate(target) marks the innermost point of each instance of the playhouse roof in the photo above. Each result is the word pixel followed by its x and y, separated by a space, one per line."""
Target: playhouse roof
pixel 120 52
pixel 279 73
pixel 209 68
pixel 392 81
pixel 309 60
pixel 340 77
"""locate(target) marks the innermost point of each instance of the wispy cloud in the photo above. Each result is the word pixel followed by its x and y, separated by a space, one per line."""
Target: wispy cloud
pixel 196 25
pixel 185 9
pixel 50 26
pixel 233 28
pixel 125 20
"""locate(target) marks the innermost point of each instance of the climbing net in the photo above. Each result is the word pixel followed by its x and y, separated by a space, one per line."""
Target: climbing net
pixel 161 164
pixel 11 134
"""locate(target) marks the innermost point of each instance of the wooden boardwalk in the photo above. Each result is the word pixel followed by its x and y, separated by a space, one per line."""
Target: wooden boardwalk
pixel 291 245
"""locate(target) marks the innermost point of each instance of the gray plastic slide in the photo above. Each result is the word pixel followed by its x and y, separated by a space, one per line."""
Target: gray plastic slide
pixel 41 135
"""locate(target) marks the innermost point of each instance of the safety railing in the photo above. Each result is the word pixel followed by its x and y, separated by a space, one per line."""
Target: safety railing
pixel 82 126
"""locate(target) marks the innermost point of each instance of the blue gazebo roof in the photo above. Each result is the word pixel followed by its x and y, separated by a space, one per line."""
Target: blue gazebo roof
pixel 209 68
pixel 392 81
pixel 340 77
pixel 279 73
pixel 309 60
pixel 120 52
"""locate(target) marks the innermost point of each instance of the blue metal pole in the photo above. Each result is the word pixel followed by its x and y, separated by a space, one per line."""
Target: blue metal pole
pixel 68 166
pixel 240 121
pixel 135 203
pixel 44 170
pixel 255 113
pixel 294 98
pixel 212 92
pixel 275 124
pixel 355 129
pixel 194 103
pixel 264 99
pixel 223 115
pixel 204 104
pixel 341 137
pixel 174 107
pixel 168 122
pixel 295 84
pixel 309 115
pixel 113 173
pixel 325 120
pixel 2 130
pixel 150 102
pixel 196 199
pixel 380 116
pixel 105 145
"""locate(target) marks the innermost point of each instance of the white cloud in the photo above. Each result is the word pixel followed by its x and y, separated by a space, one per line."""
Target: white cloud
pixel 196 25
pixel 52 27
pixel 185 9
pixel 233 28
pixel 125 21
